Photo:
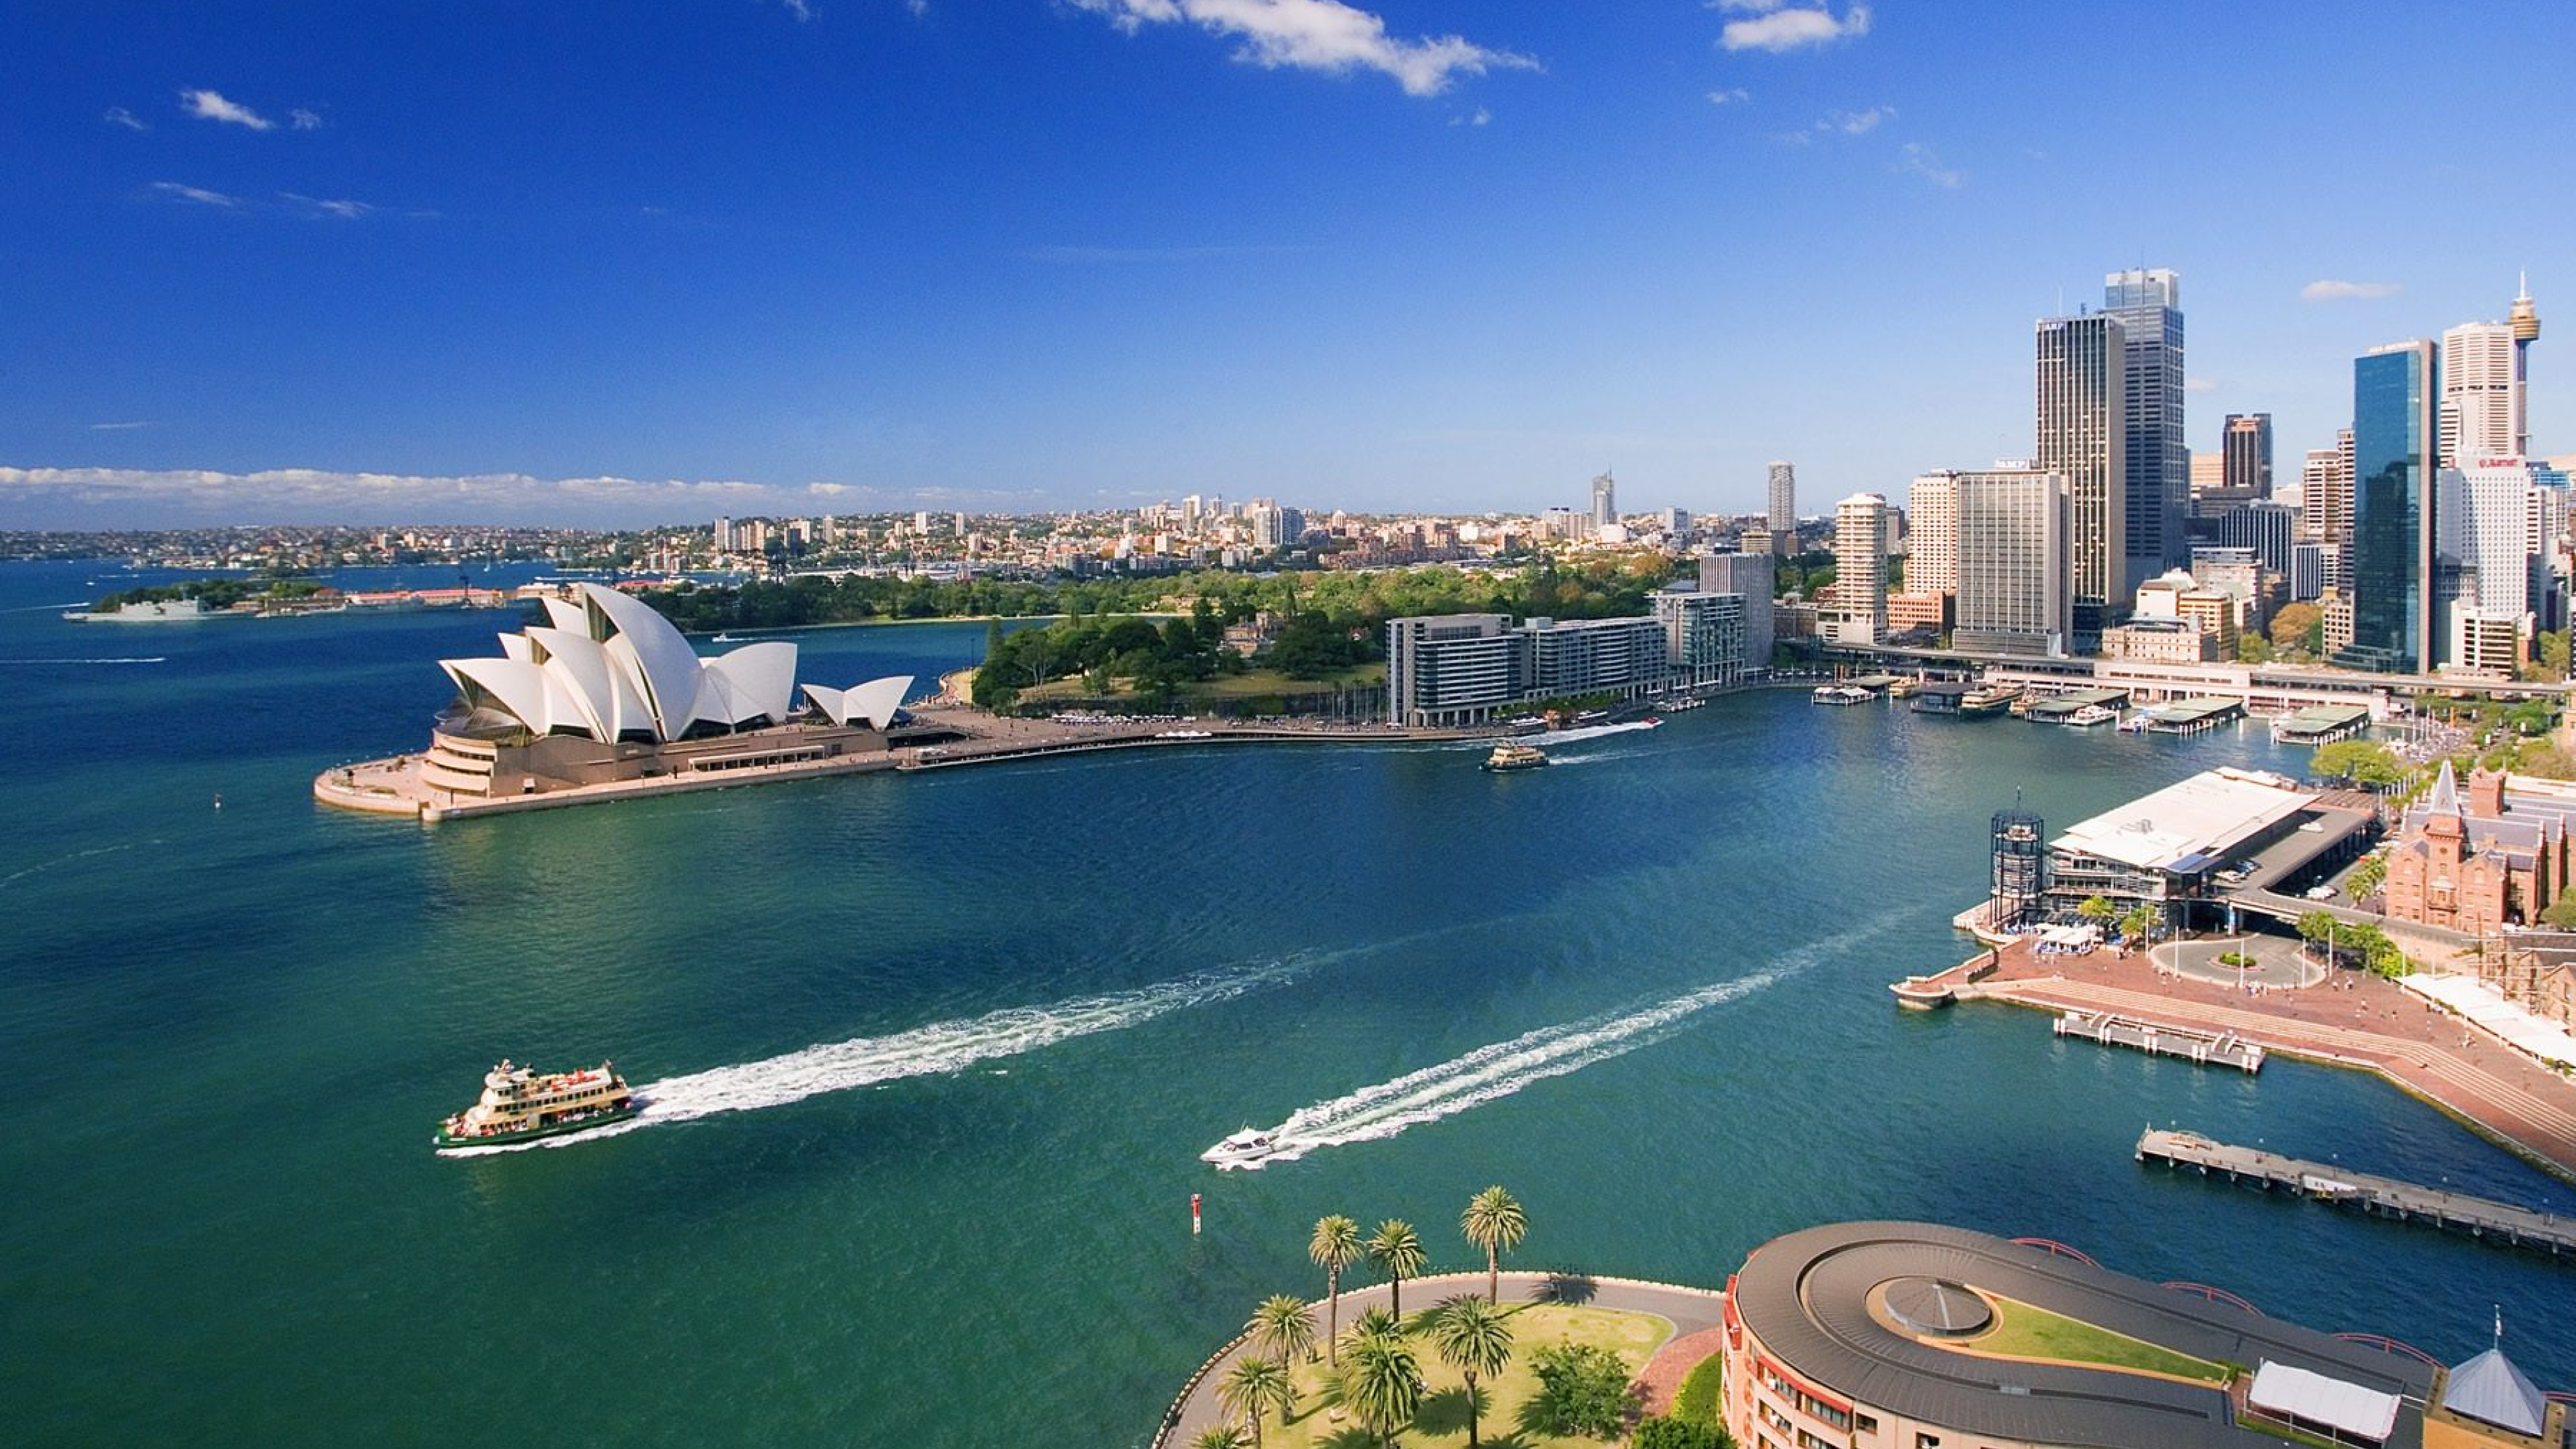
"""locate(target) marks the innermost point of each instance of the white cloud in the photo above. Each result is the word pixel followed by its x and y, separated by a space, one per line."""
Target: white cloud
pixel 120 116
pixel 799 8
pixel 2200 384
pixel 120 427
pixel 1478 117
pixel 1324 35
pixel 1921 160
pixel 1750 7
pixel 1735 96
pixel 211 106
pixel 827 490
pixel 340 209
pixel 304 120
pixel 1775 29
pixel 2332 290
pixel 1856 123
pixel 196 195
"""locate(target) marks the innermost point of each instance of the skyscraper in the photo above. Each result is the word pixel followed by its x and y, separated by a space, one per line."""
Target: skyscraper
pixel 1860 569
pixel 2012 573
pixel 2083 438
pixel 2388 562
pixel 2479 398
pixel 2148 305
pixel 1605 504
pixel 1932 542
pixel 2245 448
pixel 1784 502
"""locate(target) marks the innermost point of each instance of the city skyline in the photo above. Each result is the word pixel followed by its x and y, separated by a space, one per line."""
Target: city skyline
pixel 864 256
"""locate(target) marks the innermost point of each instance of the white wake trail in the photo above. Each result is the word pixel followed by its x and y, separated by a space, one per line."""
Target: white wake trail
pixel 1493 1072
pixel 940 1047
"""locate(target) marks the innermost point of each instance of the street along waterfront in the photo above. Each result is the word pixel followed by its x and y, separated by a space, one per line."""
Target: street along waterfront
pixel 950 1052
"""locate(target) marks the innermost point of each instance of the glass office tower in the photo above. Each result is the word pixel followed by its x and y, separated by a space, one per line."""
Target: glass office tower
pixel 2395 429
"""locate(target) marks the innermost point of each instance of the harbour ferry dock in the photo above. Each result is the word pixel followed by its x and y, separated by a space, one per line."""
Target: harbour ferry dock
pixel 2204 1048
pixel 2503 1224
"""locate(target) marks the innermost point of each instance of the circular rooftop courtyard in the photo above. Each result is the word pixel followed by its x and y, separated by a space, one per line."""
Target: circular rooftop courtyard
pixel 1935 1307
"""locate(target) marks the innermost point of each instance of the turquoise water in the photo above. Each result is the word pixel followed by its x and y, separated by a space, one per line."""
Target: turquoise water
pixel 1645 989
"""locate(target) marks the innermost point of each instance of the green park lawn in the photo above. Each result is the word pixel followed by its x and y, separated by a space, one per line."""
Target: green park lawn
pixel 2022 1331
pixel 1318 1421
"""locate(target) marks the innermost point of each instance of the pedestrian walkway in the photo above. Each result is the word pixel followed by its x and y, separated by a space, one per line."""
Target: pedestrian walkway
pixel 1688 1310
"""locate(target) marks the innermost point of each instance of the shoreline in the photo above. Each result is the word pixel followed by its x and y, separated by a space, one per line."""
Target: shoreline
pixel 2354 1021
pixel 393 785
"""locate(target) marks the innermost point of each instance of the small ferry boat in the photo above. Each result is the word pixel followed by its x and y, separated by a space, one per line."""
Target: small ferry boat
pixel 1840 694
pixel 521 1105
pixel 1244 1149
pixel 2091 715
pixel 722 638
pixel 1507 758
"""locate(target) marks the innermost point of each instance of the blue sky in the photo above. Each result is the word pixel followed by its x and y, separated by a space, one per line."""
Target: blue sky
pixel 597 263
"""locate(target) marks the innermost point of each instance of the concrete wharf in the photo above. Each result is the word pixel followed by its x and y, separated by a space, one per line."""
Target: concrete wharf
pixel 2484 1219
pixel 2203 1048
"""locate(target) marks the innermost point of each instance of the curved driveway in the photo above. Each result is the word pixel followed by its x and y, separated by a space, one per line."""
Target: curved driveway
pixel 1689 1310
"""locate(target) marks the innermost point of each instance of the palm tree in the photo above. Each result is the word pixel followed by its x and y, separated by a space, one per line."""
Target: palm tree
pixel 1335 1246
pixel 1281 1326
pixel 1375 1322
pixel 1383 1385
pixel 1473 1338
pixel 1253 1385
pixel 1494 1222
pixel 1218 1436
pixel 1396 1249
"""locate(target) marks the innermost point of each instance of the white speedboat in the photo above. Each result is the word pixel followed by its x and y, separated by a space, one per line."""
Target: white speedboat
pixel 1244 1149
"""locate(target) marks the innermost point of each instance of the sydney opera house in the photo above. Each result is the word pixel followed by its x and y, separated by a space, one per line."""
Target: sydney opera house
pixel 606 691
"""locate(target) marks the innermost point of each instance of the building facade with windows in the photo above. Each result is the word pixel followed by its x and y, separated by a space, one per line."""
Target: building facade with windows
pixel 2389 564
pixel 2080 384
pixel 2014 528
pixel 2147 303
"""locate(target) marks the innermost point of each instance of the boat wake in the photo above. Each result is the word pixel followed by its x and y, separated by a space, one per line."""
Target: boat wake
pixel 1552 738
pixel 932 1050
pixel 147 659
pixel 1493 1072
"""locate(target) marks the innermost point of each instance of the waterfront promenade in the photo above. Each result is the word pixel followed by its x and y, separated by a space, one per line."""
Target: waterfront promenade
pixel 2355 1020
pixel 1691 1311
pixel 393 786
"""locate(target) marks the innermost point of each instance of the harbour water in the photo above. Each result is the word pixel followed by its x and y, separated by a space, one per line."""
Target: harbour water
pixel 940 1054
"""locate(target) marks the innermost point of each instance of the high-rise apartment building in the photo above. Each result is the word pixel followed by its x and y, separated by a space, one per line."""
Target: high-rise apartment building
pixel 2015 527
pixel 2245 450
pixel 2396 434
pixel 1932 543
pixel 1753 574
pixel 1605 502
pixel 1860 569
pixel 1783 511
pixel 2082 436
pixel 2267 528
pixel 2147 303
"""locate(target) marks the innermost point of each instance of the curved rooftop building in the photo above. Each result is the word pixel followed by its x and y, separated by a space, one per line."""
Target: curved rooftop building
pixel 606 667
pixel 607 692
pixel 1897 1335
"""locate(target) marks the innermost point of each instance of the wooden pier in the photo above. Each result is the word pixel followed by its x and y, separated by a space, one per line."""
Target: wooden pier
pixel 2203 1048
pixel 2494 1222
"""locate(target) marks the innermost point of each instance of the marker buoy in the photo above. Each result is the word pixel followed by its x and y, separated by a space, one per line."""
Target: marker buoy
pixel 1194 1215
